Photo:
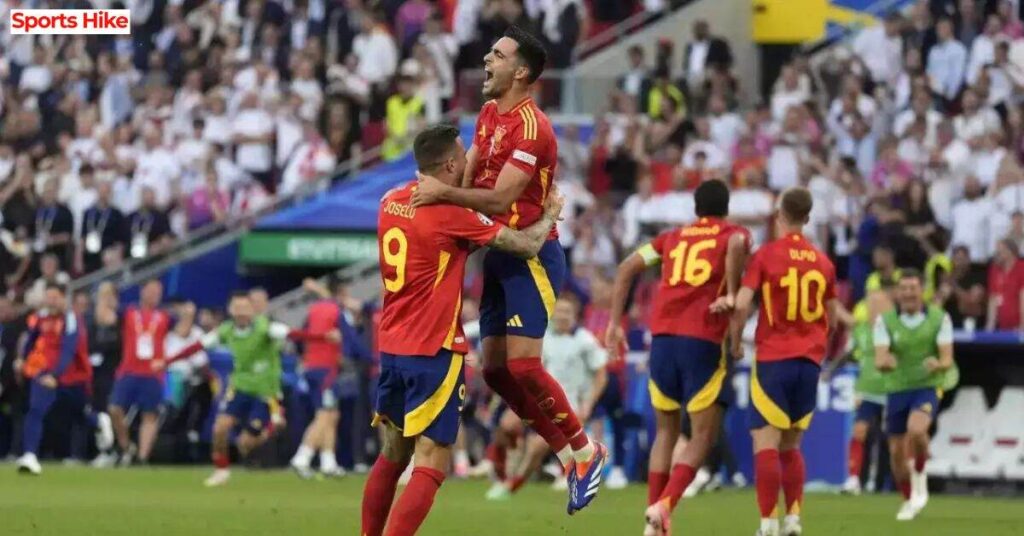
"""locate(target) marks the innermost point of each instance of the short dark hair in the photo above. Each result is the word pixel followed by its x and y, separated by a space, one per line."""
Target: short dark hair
pixel 433 144
pixel 796 204
pixel 239 294
pixel 56 286
pixel 530 50
pixel 712 199
pixel 911 273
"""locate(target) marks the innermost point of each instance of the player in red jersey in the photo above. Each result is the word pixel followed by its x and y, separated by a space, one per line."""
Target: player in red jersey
pixel 510 172
pixel 423 255
pixel 701 265
pixel 796 283
pixel 140 375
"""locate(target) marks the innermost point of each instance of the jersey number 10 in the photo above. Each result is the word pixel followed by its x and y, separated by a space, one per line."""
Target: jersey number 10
pixel 688 266
pixel 798 295
pixel 395 257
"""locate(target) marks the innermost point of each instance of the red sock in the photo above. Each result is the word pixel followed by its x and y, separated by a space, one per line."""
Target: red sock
pixel 501 381
pixel 540 386
pixel 221 460
pixel 793 475
pixel 379 494
pixel 414 504
pixel 497 455
pixel 656 483
pixel 904 487
pixel 767 480
pixel 680 479
pixel 516 483
pixel 920 461
pixel 856 462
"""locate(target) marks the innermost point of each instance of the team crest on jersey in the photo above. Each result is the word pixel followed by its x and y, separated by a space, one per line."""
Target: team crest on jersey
pixel 484 219
pixel 496 138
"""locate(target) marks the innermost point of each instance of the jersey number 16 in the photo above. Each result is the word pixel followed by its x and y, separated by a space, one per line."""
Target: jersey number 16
pixel 687 265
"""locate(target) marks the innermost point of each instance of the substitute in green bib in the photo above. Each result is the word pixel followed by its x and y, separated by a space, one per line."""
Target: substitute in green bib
pixel 250 402
pixel 914 349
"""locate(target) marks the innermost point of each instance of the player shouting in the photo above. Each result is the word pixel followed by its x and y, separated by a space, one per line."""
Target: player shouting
pixel 798 297
pixel 57 365
pixel 511 166
pixel 914 348
pixel 701 265
pixel 421 389
pixel 255 385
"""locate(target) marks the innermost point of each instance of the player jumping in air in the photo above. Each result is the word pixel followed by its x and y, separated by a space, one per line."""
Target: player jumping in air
pixel 254 388
pixel 511 168
pixel 796 282
pixel 421 390
pixel 914 349
pixel 57 365
pixel 701 265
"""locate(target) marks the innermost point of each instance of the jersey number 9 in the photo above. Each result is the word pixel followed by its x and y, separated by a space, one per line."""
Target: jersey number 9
pixel 798 295
pixel 395 257
pixel 689 267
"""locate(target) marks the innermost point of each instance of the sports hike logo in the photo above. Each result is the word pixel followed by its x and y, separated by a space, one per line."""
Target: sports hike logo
pixel 70 22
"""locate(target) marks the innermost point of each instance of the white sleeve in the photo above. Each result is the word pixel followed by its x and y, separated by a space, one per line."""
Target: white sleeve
pixel 945 335
pixel 595 356
pixel 278 331
pixel 210 339
pixel 881 334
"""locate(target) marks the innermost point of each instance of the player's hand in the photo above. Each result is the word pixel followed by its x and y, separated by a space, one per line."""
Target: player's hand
pixel 48 381
pixel 554 203
pixel 613 336
pixel 885 364
pixel 428 191
pixel 932 365
pixel 157 365
pixel 723 304
pixel 310 285
pixel 736 349
pixel 334 336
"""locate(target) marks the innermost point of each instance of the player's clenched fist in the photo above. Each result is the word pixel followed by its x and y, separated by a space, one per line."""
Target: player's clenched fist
pixel 553 204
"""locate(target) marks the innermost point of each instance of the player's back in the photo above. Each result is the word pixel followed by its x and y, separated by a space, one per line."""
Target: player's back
pixel 524 138
pixel 795 281
pixel 693 275
pixel 422 266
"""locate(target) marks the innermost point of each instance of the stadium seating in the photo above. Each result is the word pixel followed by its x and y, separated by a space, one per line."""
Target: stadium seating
pixel 975 443
pixel 959 434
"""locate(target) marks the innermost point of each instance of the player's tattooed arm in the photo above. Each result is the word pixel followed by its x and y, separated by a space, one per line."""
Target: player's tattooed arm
pixel 526 243
pixel 509 186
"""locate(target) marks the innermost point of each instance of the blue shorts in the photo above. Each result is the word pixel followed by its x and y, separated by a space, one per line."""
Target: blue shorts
pixel 870 408
pixel 519 295
pixel 422 395
pixel 784 394
pixel 142 392
pixel 252 412
pixel 688 372
pixel 323 388
pixel 899 405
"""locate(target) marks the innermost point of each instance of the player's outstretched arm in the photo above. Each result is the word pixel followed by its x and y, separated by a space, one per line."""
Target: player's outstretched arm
pixel 209 340
pixel 526 243
pixel 509 186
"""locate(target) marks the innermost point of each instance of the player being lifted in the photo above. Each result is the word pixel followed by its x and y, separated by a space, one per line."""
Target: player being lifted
pixel 511 168
pixel 254 388
pixel 420 392
pixel 701 265
pixel 798 298
pixel 914 349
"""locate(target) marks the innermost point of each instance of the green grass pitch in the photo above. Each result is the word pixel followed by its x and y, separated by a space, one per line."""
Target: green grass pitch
pixel 172 502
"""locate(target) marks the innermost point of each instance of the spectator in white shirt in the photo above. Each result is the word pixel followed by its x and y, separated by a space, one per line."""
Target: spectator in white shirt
pixel 752 206
pixel 637 211
pixel 948 164
pixel 852 94
pixel 156 167
pixel 788 92
pixel 983 49
pixel 987 158
pixel 788 148
pixel 192 150
pixel 311 160
pixel 443 49
pixel 305 85
pixel 254 135
pixel 716 158
pixel 375 49
pixel 880 47
pixel 947 61
pixel 971 216
pixel 920 108
pixel 975 121
pixel 726 126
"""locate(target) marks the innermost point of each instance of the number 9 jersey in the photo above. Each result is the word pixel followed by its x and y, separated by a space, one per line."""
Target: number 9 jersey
pixel 692 277
pixel 795 281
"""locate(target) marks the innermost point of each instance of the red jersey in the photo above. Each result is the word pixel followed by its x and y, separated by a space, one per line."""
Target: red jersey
pixel 320 320
pixel 142 341
pixel 521 137
pixel 1006 285
pixel 53 337
pixel 423 255
pixel 796 282
pixel 692 277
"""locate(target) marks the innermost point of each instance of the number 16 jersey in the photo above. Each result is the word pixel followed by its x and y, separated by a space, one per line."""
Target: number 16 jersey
pixel 422 262
pixel 692 277
pixel 795 282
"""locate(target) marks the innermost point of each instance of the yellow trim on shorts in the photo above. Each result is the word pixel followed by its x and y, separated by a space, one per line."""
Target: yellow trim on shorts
pixel 709 393
pixel 766 406
pixel 661 401
pixel 419 419
pixel 540 278
pixel 379 419
pixel 804 422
